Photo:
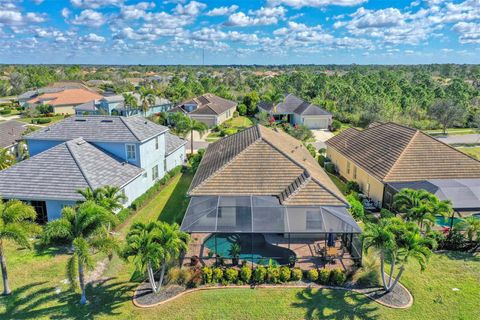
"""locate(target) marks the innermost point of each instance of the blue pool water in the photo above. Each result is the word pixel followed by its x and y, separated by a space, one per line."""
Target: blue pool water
pixel 260 253
pixel 445 222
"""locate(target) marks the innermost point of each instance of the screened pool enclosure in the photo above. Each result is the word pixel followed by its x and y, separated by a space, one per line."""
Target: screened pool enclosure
pixel 267 231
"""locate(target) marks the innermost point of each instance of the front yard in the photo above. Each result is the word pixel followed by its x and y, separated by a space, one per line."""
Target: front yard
pixel 471 151
pixel 233 125
pixel 40 290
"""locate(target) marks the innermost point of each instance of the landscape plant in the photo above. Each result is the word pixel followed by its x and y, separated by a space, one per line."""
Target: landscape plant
pixel 285 274
pixel 324 276
pixel 245 274
pixel 231 275
pixel 217 275
pixel 297 274
pixel 7 159
pixel 312 275
pixel 259 274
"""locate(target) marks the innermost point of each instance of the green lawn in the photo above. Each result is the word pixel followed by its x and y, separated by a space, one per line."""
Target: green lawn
pixel 238 123
pixel 339 183
pixel 473 152
pixel 453 131
pixel 39 292
pixel 54 119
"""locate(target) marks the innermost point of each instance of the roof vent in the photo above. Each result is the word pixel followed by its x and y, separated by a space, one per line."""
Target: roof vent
pixel 107 120
pixel 80 120
pixel 80 142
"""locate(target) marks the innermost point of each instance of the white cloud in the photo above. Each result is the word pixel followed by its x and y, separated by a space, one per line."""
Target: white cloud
pixel 222 11
pixel 92 37
pixel 316 3
pixel 469 32
pixel 12 16
pixel 262 16
pixel 95 4
pixel 90 18
pixel 65 13
pixel 210 34
pixel 137 11
pixel 192 9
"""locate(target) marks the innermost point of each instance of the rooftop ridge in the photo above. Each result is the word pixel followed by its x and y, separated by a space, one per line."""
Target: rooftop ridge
pixel 74 157
pixel 292 189
pixel 129 128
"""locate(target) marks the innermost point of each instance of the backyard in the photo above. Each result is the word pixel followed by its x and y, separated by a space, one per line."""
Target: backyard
pixel 471 151
pixel 448 289
pixel 234 125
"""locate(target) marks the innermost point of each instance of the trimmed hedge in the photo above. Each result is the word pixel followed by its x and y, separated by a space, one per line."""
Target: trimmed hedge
pixel 40 120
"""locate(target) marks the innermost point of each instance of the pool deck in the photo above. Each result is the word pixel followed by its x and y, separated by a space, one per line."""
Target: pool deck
pixel 306 251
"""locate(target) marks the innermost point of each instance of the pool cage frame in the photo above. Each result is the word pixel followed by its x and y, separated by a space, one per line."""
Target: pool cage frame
pixel 211 216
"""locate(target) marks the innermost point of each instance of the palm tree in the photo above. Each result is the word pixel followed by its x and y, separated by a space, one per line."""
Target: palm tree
pixel 112 198
pixel 152 246
pixel 84 228
pixel 16 224
pixel 7 159
pixel 188 125
pixel 90 194
pixel 147 98
pixel 130 102
pixel 471 227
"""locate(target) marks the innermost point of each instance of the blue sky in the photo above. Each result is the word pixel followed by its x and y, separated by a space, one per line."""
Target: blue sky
pixel 239 32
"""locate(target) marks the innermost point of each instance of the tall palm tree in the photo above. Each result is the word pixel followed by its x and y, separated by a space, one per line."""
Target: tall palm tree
pixel 112 198
pixel 90 194
pixel 471 227
pixel 85 230
pixel 152 246
pixel 188 125
pixel 147 98
pixel 7 159
pixel 130 102
pixel 16 225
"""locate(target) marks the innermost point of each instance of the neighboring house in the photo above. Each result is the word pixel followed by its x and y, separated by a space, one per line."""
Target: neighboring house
pixel 393 155
pixel 91 151
pixel 298 111
pixel 115 106
pixel 10 133
pixel 264 184
pixel 208 108
pixel 63 101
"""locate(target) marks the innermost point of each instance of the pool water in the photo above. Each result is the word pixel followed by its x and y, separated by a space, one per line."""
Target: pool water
pixel 445 222
pixel 261 252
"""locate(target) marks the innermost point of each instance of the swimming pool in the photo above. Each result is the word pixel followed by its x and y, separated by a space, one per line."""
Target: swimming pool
pixel 261 252
pixel 445 222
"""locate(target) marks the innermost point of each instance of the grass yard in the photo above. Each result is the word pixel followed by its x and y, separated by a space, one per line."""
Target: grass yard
pixel 339 183
pixel 453 131
pixel 238 123
pixel 54 119
pixel 40 292
pixel 473 152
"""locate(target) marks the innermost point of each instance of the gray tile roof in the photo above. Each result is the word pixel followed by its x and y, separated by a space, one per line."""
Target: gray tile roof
pixel 293 104
pixel 59 172
pixel 10 132
pixel 209 104
pixel 100 129
pixel 172 143
pixel 87 106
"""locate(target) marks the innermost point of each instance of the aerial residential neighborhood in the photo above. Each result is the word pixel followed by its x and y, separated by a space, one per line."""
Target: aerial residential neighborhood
pixel 274 159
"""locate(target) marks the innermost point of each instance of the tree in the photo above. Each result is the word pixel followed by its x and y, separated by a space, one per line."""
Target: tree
pixel 251 100
pixel 112 198
pixel 7 159
pixel 84 228
pixel 16 224
pixel 186 125
pixel 147 98
pixel 90 194
pixel 447 113
pixel 471 227
pixel 152 246
pixel 44 108
pixel 356 207
pixel 242 109
pixel 130 102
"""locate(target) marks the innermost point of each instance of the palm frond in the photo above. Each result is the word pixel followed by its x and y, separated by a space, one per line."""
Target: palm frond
pixel 72 270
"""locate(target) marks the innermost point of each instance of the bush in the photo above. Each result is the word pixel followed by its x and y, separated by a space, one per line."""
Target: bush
pixel 369 273
pixel 312 150
pixel 5 111
pixel 228 132
pixel 196 279
pixel 231 275
pixel 235 114
pixel 337 277
pixel 179 276
pixel 336 125
pixel 386 214
pixel 285 274
pixel 297 274
pixel 207 274
pixel 321 160
pixel 259 274
pixel 242 109
pixel 217 275
pixel 330 167
pixel 123 214
pixel 312 275
pixel 324 276
pixel 40 120
pixel 356 207
pixel 352 186
pixel 245 274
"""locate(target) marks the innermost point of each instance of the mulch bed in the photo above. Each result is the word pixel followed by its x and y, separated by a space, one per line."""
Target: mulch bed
pixel 399 297
pixel 145 296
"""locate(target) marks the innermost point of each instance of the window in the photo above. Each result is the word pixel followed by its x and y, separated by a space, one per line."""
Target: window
pixel 314 220
pixel 348 167
pixel 131 152
pixel 155 172
pixel 354 172
pixel 156 143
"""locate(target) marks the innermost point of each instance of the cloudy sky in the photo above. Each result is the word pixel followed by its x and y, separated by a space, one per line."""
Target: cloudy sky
pixel 239 32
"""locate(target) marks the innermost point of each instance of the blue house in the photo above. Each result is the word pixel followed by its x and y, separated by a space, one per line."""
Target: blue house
pixel 131 153
pixel 115 106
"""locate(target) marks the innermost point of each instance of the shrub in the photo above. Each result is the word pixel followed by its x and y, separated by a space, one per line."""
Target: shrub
pixel 385 214
pixel 273 274
pixel 330 167
pixel 285 274
pixel 196 279
pixel 228 132
pixel 321 160
pixel 337 277
pixel 245 274
pixel 324 276
pixel 336 125
pixel 369 273
pixel 259 274
pixel 179 276
pixel 235 114
pixel 5 111
pixel 312 150
pixel 352 186
pixel 242 109
pixel 123 214
pixel 297 274
pixel 356 207
pixel 217 275
pixel 312 275
pixel 207 274
pixel 41 120
pixel 231 275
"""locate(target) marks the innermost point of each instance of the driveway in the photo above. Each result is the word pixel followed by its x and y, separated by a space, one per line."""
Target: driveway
pixel 196 145
pixel 320 137
pixel 461 139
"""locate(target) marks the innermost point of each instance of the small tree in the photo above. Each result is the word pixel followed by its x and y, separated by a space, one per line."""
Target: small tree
pixel 251 100
pixel 7 159
pixel 356 207
pixel 242 109
pixel 130 102
pixel 147 99
pixel 471 227
pixel 16 225
pixel 447 113
pixel 187 125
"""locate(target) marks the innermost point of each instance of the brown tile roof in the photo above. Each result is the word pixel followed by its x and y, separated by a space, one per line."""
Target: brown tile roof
pixel 66 97
pixel 260 161
pixel 210 104
pixel 392 152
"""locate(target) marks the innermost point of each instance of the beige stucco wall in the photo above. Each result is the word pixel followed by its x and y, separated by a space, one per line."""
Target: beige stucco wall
pixel 63 110
pixel 208 120
pixel 225 116
pixel 363 178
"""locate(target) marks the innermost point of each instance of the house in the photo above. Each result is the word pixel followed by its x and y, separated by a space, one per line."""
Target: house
pixel 115 105
pixel 62 100
pixel 208 108
pixel 91 151
pixel 387 157
pixel 10 133
pixel 298 111
pixel 262 187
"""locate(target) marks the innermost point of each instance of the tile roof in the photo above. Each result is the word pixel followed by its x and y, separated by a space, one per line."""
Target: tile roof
pixel 260 161
pixel 392 152
pixel 59 172
pixel 66 97
pixel 172 143
pixel 10 132
pixel 210 104
pixel 100 129
pixel 293 104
